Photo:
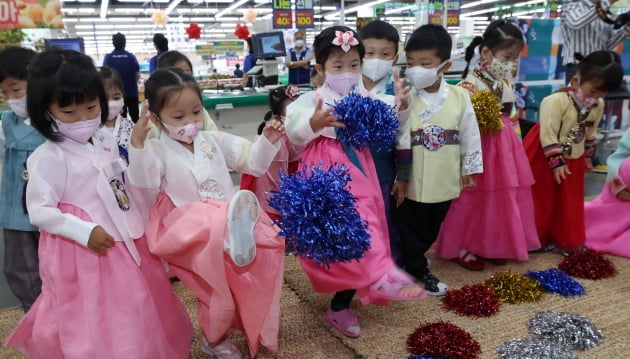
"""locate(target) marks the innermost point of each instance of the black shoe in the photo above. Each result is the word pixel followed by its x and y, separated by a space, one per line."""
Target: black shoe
pixel 432 285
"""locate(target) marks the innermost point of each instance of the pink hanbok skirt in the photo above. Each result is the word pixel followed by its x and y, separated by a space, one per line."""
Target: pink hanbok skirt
pixel 377 261
pixel 606 220
pixel 496 219
pixel 191 240
pixel 101 306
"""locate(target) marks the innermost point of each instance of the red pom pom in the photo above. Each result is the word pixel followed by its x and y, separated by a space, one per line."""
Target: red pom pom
pixel 241 32
pixel 588 264
pixel 443 340
pixel 475 301
pixel 194 31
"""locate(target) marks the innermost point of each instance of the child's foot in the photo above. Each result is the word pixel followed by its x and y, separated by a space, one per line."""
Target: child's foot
pixel 224 350
pixel 432 285
pixel 469 261
pixel 242 216
pixel 345 321
pixel 396 285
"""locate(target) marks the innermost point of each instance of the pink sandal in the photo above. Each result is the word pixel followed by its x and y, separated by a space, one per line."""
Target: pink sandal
pixel 389 285
pixel 345 321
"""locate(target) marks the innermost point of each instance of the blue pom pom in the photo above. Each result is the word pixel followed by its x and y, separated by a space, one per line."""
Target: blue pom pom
pixel 553 280
pixel 369 122
pixel 319 218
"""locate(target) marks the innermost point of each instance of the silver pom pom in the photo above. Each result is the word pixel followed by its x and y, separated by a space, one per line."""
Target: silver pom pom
pixel 535 348
pixel 570 330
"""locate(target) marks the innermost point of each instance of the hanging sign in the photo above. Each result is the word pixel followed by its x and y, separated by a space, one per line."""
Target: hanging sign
pixel 304 14
pixel 436 11
pixel 29 14
pixel 282 16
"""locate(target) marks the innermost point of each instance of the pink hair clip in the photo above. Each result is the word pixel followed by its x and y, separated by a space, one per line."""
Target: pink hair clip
pixel 292 92
pixel 345 39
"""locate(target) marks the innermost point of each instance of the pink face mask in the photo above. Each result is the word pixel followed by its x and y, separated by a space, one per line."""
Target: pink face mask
pixel 185 133
pixel 343 82
pixel 585 101
pixel 80 131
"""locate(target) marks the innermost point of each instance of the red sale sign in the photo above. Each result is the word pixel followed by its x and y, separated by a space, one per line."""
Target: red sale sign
pixel 282 19
pixel 304 19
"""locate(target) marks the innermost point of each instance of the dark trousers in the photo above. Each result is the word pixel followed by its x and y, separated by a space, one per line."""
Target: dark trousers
pixel 392 224
pixel 342 300
pixel 21 265
pixel 419 228
pixel 131 105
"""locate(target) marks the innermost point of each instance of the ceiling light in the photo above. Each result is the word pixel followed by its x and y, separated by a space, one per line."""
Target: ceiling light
pixel 170 7
pixel 476 3
pixel 104 5
pixel 230 8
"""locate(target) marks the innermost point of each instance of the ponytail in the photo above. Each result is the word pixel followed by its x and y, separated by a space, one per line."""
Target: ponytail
pixel 262 125
pixel 579 57
pixel 470 52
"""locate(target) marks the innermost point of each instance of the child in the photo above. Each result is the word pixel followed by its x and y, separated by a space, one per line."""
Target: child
pixel 279 99
pixel 103 294
pixel 445 151
pixel 560 148
pixel 21 238
pixel 338 54
pixel 187 226
pixel 606 231
pixel 120 127
pixel 381 53
pixel 175 59
pixel 494 220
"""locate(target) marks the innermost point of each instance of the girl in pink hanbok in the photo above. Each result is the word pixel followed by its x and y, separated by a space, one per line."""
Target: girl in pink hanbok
pixel 287 157
pixel 310 122
pixel 104 295
pixel 210 236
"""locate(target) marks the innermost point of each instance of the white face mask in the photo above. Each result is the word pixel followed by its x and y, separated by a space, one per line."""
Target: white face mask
pixel 501 70
pixel 18 105
pixel 342 83
pixel 376 69
pixel 422 77
pixel 114 108
pixel 80 131
pixel 299 43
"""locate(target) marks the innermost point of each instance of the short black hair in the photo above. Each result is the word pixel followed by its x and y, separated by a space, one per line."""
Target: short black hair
pixel 111 78
pixel 431 37
pixel 14 62
pixel 161 42
pixel 324 47
pixel 604 66
pixel 170 58
pixel 380 30
pixel 63 77
pixel 499 35
pixel 165 82
pixel 119 41
pixel 237 65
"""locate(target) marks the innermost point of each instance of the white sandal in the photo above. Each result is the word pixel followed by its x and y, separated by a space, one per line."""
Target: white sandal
pixel 243 213
pixel 224 350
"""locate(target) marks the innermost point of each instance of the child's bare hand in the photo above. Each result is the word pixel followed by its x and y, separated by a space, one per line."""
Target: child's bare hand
pixel 100 241
pixel 401 90
pixel 273 130
pixel 398 191
pixel 142 128
pixel 468 181
pixel 588 163
pixel 561 173
pixel 623 195
pixel 324 118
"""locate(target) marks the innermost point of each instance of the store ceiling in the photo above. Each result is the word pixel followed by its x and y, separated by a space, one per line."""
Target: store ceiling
pixel 97 20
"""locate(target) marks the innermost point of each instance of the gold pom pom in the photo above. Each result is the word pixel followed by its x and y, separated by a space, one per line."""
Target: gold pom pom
pixel 488 111
pixel 515 288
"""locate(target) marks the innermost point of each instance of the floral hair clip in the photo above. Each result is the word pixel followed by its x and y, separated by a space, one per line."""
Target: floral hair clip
pixel 345 39
pixel 292 92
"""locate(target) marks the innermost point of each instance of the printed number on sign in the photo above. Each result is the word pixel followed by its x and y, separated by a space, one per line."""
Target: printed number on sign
pixel 282 21
pixel 305 21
